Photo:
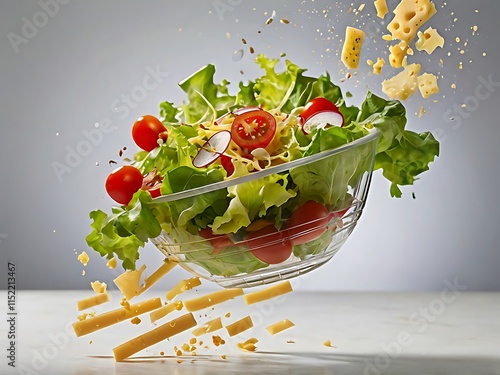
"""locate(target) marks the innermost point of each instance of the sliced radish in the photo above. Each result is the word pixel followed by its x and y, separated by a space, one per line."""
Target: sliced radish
pixel 216 145
pixel 322 120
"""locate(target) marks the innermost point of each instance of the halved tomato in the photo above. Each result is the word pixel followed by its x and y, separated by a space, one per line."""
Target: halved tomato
pixel 253 128
pixel 270 245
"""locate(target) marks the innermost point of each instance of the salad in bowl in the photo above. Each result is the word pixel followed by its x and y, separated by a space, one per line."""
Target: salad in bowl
pixel 259 185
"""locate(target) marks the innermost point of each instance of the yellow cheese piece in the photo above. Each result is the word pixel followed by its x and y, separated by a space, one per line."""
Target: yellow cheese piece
pixel 402 85
pixel 409 16
pixel 268 293
pixel 429 40
pixel 109 318
pixel 149 281
pixel 279 326
pixel 212 299
pixel 83 258
pixel 248 345
pixel 111 264
pixel 129 282
pixel 210 326
pixel 239 326
pixel 427 84
pixel 352 47
pixel 377 67
pixel 154 336
pixel 92 301
pixel 381 7
pixel 182 286
pixel 398 54
pixel 98 287
pixel 165 310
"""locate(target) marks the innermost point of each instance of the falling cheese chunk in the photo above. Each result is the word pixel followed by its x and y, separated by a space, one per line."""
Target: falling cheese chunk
pixel 279 326
pixel 352 47
pixel 165 310
pixel 427 84
pixel 129 282
pixel 212 299
pixel 248 345
pixel 402 85
pixel 83 258
pixel 92 301
pixel 154 336
pixel 409 16
pixel 111 264
pixel 98 287
pixel 377 66
pixel 182 286
pixel 149 281
pixel 109 318
pixel 429 40
pixel 210 326
pixel 398 54
pixel 239 326
pixel 381 7
pixel 268 293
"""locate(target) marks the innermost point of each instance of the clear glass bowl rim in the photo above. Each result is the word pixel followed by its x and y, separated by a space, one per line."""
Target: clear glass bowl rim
pixel 373 134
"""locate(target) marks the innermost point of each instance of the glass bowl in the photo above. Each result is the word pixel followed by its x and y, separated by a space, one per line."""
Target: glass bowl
pixel 341 177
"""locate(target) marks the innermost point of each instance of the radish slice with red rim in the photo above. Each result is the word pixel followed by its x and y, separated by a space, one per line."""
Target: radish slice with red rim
pixel 216 145
pixel 322 120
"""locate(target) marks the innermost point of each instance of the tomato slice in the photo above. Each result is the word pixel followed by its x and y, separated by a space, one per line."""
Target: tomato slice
pixel 253 129
pixel 307 222
pixel 270 245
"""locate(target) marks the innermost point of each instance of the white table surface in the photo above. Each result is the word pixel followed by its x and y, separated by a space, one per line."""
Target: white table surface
pixel 372 333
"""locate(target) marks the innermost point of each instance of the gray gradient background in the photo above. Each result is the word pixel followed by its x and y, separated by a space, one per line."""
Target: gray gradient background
pixel 68 76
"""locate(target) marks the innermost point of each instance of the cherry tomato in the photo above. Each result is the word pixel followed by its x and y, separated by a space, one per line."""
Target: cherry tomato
pixel 227 164
pixel 123 182
pixel 270 245
pixel 307 222
pixel 146 131
pixel 218 241
pixel 253 129
pixel 315 106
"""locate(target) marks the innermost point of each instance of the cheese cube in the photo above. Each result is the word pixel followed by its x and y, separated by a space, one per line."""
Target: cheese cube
pixel 398 54
pixel 402 85
pixel 427 84
pixel 352 47
pixel 409 16
pixel 381 7
pixel 429 40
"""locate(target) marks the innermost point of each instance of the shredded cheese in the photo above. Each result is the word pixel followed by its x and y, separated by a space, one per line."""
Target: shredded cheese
pixel 109 318
pixel 182 286
pixel 154 336
pixel 268 293
pixel 239 326
pixel 165 310
pixel 210 326
pixel 279 326
pixel 92 301
pixel 212 299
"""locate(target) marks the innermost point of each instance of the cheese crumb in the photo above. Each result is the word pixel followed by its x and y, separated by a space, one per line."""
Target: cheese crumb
pixel 98 287
pixel 328 343
pixel 429 40
pixel 135 320
pixel 381 7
